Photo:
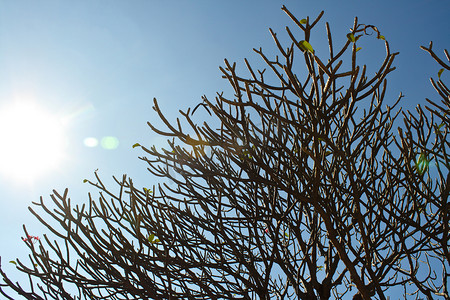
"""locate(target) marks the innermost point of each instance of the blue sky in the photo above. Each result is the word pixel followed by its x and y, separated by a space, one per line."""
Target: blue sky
pixel 98 64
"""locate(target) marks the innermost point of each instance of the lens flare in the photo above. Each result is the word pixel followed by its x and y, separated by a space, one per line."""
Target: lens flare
pixel 90 142
pixel 109 142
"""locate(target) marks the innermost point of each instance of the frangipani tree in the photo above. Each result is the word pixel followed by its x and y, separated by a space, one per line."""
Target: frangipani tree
pixel 301 188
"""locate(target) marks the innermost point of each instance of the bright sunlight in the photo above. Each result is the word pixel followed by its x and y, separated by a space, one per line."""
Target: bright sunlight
pixel 31 142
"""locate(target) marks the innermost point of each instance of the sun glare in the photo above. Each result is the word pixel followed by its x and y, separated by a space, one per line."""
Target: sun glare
pixel 31 142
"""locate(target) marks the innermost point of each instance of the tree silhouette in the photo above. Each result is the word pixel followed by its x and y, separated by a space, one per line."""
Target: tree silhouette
pixel 300 188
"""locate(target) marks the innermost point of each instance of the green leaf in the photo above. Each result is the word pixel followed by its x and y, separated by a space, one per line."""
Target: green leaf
pixel 437 129
pixel 319 268
pixel 136 145
pixel 303 21
pixel 247 154
pixel 156 241
pixel 151 237
pixel 381 37
pixel 351 37
pixel 13 262
pixel 357 49
pixel 422 163
pixel 305 46
pixel 85 180
pixel 440 73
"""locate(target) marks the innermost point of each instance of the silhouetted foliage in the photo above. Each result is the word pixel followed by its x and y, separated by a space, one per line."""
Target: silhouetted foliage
pixel 301 188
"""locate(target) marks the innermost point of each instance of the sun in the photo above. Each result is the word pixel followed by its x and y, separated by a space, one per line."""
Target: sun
pixel 31 141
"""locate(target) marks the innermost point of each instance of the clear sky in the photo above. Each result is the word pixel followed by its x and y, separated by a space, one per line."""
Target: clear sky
pixel 95 66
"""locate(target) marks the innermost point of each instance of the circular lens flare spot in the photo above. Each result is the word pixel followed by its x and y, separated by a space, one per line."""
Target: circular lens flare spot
pixel 90 142
pixel 109 142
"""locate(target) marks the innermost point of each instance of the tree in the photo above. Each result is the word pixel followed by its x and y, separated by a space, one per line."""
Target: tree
pixel 303 191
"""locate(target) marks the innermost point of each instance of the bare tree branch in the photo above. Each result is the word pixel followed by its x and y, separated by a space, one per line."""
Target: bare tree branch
pixel 302 187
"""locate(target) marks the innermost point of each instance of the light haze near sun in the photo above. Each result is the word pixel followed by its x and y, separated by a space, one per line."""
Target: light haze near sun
pixel 33 141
